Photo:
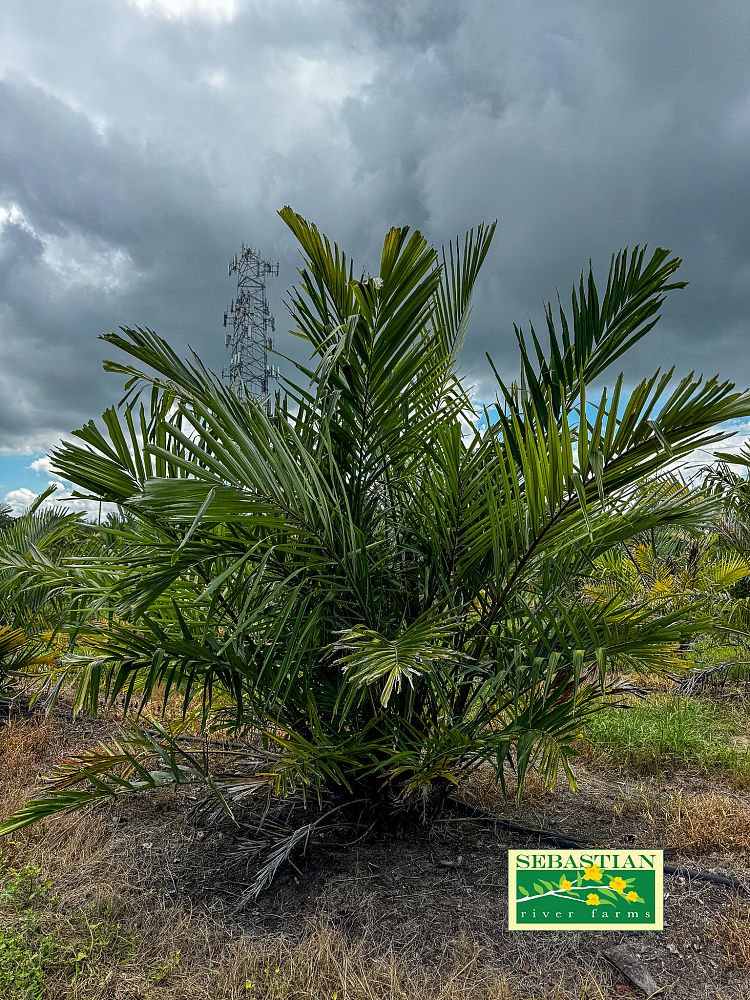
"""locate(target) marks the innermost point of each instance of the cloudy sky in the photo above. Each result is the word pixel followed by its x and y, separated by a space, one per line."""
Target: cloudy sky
pixel 143 140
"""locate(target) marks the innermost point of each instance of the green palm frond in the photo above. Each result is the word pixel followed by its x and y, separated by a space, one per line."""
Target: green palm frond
pixel 599 329
pixel 423 647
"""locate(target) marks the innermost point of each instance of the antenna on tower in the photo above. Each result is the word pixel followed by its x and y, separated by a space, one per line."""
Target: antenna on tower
pixel 250 326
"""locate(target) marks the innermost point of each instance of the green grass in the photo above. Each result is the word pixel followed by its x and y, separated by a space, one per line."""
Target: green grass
pixel 674 732
pixel 27 950
pixel 39 946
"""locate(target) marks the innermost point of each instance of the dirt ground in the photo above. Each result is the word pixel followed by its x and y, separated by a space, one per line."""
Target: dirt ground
pixel 434 899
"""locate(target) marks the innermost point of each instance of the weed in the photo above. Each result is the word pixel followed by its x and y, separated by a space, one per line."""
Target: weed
pixel 25 954
pixel 22 888
pixel 38 943
pixel 26 948
pixel 98 941
pixel 166 966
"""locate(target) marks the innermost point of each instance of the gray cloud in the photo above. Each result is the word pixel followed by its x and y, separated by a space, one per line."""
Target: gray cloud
pixel 138 150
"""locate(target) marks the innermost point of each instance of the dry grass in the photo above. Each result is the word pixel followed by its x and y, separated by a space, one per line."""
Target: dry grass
pixel 325 964
pixel 695 822
pixel 732 934
pixel 114 942
pixel 708 822
pixel 24 752
pixel 482 790
pixel 24 745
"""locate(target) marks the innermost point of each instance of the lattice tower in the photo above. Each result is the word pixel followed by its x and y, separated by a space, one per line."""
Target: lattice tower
pixel 250 325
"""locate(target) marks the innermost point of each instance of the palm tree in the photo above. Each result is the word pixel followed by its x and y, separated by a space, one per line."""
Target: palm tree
pixel 31 587
pixel 376 594
pixel 672 566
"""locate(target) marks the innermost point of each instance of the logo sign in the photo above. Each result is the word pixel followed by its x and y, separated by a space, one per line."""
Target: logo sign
pixel 593 890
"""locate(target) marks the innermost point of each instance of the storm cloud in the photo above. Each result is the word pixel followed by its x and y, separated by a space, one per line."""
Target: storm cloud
pixel 142 141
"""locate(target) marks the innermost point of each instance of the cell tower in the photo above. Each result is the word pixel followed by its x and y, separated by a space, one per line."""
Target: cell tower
pixel 249 327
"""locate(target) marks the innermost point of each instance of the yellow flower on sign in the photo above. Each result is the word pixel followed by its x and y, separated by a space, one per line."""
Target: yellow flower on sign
pixel 565 884
pixel 632 896
pixel 618 884
pixel 592 899
pixel 593 873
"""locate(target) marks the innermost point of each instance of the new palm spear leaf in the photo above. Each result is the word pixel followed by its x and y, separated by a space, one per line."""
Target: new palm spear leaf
pixel 375 593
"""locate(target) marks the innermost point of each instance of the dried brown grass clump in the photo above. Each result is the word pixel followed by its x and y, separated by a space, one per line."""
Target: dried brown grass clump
pixel 708 821
pixel 656 681
pixel 731 931
pixel 326 965
pixel 24 754
pixel 698 822
pixel 24 747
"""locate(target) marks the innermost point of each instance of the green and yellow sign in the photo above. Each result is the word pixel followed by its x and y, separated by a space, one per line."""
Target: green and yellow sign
pixel 592 890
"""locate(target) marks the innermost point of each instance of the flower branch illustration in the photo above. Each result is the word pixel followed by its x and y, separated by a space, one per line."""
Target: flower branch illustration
pixel 616 888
